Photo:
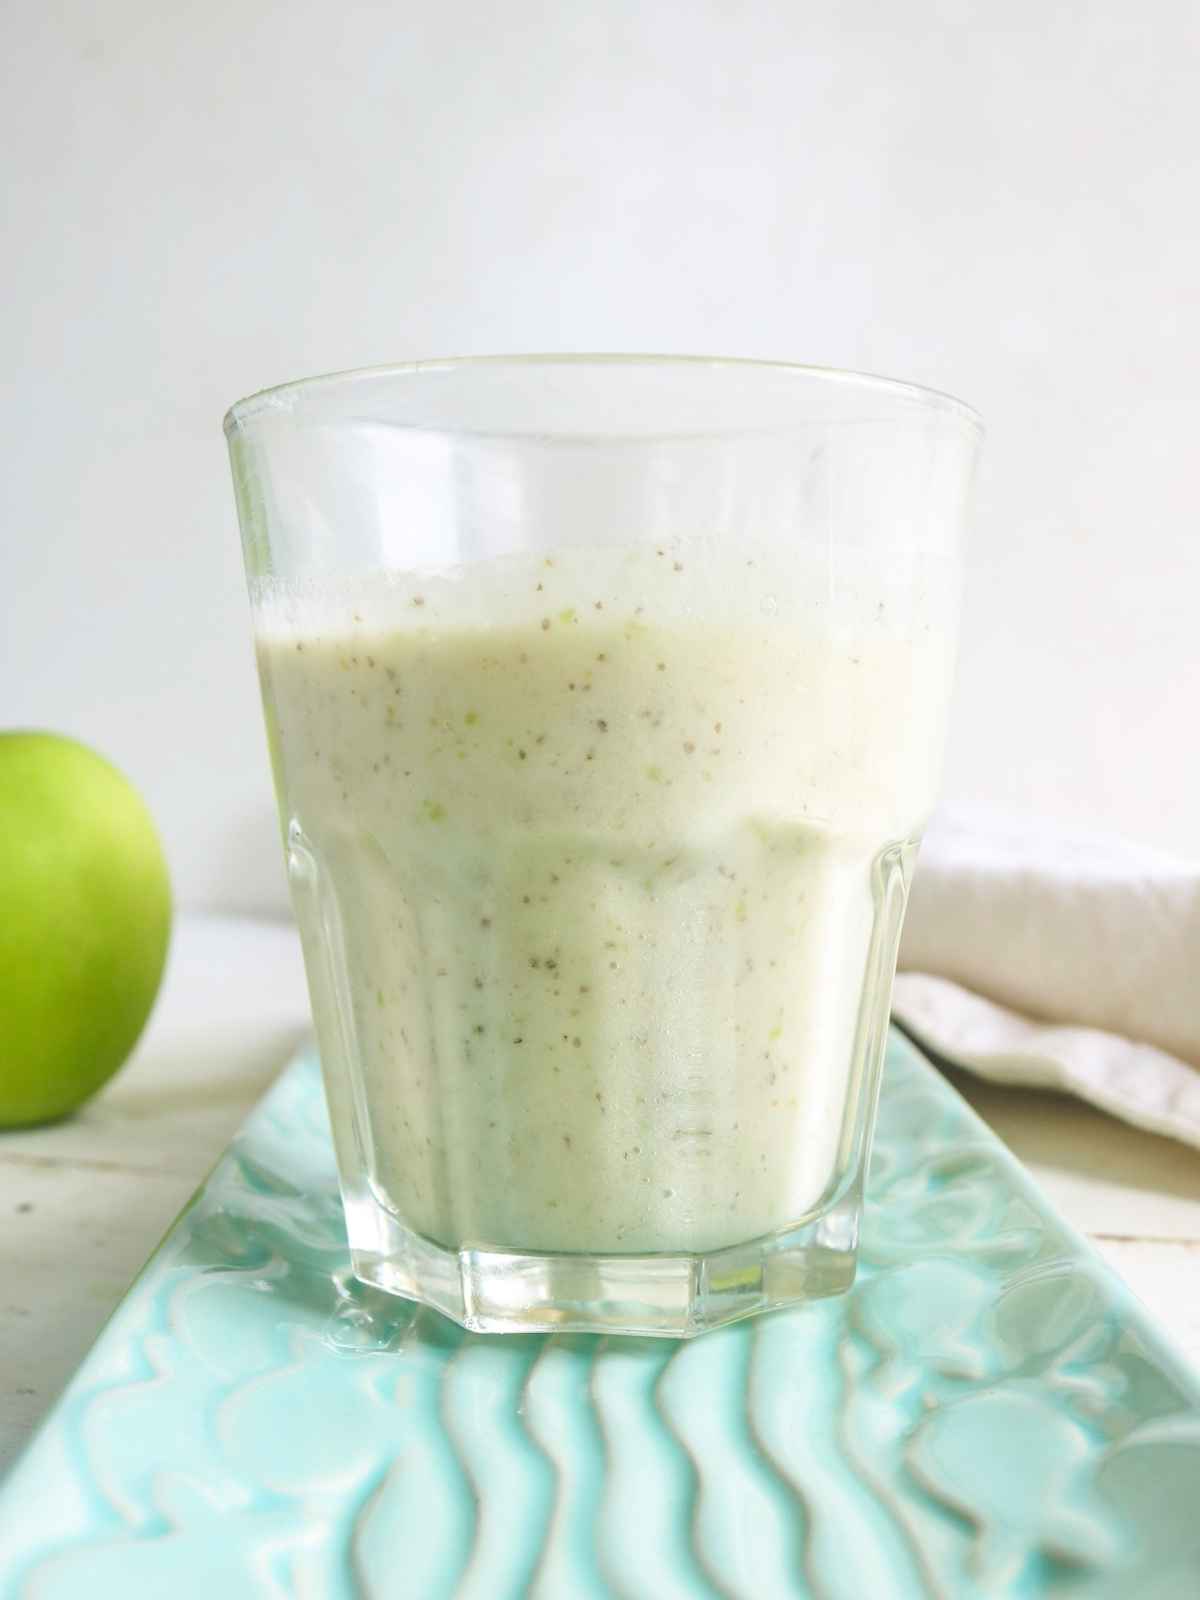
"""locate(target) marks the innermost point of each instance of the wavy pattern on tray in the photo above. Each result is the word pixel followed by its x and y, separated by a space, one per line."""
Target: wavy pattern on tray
pixel 986 1414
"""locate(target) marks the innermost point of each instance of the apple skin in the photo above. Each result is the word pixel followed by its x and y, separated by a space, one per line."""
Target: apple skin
pixel 85 921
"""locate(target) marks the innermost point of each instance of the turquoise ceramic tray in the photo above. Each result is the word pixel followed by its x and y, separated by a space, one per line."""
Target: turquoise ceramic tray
pixel 986 1414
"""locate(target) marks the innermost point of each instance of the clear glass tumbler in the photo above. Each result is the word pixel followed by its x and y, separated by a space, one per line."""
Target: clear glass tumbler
pixel 605 697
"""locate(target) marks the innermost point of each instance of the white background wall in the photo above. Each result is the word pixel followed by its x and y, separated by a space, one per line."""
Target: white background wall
pixel 1000 199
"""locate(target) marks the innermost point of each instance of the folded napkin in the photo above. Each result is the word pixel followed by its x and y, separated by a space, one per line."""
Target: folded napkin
pixel 1068 961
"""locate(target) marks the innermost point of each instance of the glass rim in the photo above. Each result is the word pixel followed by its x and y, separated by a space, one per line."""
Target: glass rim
pixel 278 396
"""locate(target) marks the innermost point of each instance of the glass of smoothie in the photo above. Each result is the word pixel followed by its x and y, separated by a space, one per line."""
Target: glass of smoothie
pixel 605 698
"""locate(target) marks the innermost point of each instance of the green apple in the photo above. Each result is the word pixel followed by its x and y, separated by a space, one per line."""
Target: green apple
pixel 85 916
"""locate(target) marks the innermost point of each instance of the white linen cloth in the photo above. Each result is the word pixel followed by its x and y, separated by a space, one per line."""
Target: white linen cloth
pixel 1068 961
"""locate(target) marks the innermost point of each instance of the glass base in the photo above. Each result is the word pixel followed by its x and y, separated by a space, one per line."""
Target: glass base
pixel 672 1296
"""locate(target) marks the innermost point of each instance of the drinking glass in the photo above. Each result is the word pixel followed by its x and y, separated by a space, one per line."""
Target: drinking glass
pixel 605 699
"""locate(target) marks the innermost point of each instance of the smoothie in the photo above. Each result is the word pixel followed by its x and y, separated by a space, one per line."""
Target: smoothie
pixel 582 848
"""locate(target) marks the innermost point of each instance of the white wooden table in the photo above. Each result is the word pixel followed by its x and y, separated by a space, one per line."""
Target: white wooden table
pixel 83 1203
